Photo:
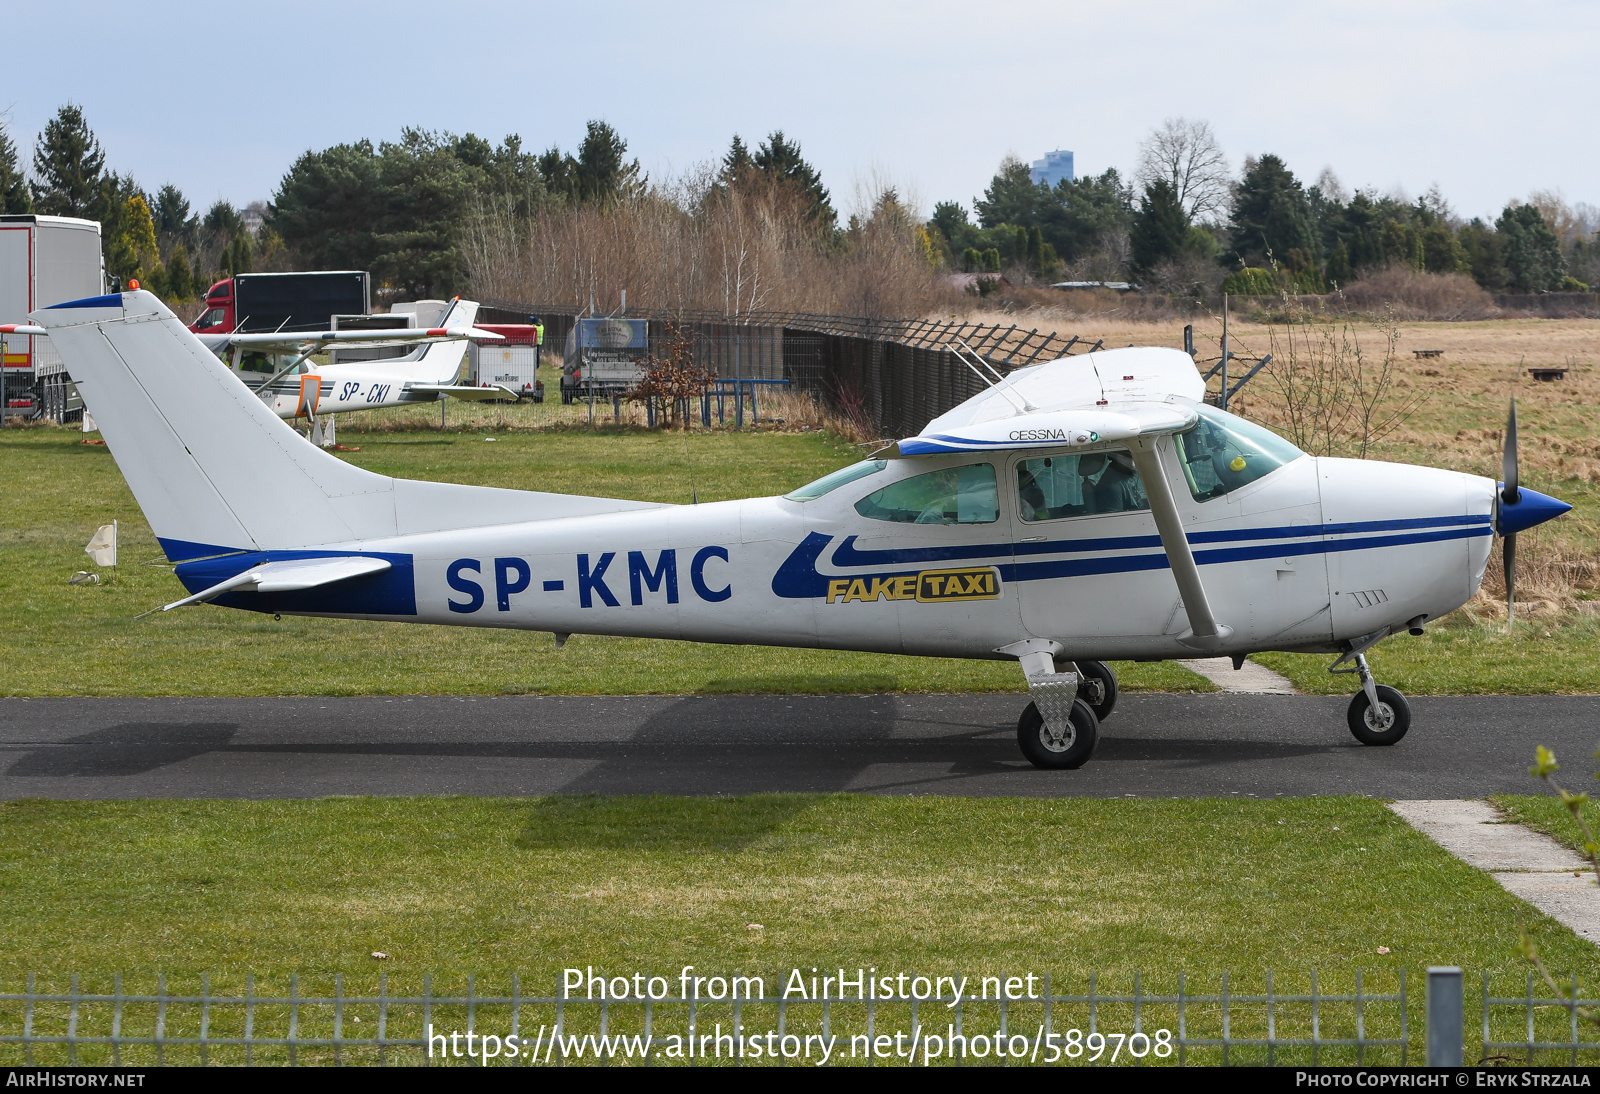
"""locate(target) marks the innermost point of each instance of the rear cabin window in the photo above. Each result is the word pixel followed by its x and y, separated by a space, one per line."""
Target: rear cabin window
pixel 952 495
pixel 1222 453
pixel 1079 486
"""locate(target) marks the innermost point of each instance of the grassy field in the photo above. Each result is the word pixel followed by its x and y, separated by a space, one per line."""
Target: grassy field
pixel 927 885
pixel 57 639
pixel 1546 813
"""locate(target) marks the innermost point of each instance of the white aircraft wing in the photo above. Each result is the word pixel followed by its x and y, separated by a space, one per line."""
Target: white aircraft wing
pixel 1068 428
pixel 297 340
pixel 287 576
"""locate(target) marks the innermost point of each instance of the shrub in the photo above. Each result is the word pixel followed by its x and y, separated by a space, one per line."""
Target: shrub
pixel 1572 284
pixel 1412 294
pixel 1250 281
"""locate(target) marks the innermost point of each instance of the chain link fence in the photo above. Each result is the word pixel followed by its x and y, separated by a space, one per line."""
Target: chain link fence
pixel 890 375
pixel 265 1021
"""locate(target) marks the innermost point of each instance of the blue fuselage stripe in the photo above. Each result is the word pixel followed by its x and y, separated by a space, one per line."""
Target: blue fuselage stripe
pixel 807 581
pixel 847 554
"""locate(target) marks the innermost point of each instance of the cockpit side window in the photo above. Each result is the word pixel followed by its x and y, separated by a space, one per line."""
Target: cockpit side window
pixel 1077 486
pixel 1222 453
pixel 952 495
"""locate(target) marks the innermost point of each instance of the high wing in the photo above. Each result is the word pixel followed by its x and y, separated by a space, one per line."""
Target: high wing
pixel 1093 399
pixel 300 341
pixel 1133 398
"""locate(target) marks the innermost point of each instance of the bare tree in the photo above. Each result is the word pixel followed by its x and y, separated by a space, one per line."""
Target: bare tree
pixel 1332 188
pixel 1185 153
pixel 1562 218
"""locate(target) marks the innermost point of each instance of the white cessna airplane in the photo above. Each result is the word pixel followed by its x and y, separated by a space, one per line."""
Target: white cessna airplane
pixel 298 388
pixel 1086 509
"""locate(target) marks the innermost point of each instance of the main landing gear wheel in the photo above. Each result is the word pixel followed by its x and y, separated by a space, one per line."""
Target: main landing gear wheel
pixel 1383 725
pixel 1052 752
pixel 1098 687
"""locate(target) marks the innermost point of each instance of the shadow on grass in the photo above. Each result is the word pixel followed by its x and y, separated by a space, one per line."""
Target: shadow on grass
pixel 657 822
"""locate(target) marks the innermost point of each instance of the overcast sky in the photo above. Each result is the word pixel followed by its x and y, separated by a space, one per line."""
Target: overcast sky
pixel 1490 100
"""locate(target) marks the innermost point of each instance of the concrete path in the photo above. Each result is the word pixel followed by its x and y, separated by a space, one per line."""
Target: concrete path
pixel 1532 866
pixel 1249 679
pixel 1153 745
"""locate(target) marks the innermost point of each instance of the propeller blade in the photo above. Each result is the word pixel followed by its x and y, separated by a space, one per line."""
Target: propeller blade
pixel 1508 460
pixel 1508 558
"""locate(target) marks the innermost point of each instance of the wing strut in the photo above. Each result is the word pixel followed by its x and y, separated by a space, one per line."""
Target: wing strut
pixel 1204 633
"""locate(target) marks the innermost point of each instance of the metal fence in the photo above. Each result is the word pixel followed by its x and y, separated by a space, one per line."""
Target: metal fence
pixel 257 1022
pixel 894 373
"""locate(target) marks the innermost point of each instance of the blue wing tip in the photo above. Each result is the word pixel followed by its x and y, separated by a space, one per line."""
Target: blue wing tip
pixel 111 300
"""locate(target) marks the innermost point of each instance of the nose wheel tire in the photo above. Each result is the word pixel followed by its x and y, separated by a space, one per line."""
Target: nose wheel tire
pixel 1098 688
pixel 1381 726
pixel 1063 751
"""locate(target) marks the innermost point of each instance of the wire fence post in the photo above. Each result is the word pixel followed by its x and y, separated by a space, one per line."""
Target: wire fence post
pixel 1445 1016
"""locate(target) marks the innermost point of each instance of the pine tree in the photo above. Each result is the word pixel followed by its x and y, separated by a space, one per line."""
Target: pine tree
pixel 1533 253
pixel 1271 215
pixel 779 159
pixel 737 165
pixel 69 165
pixel 180 278
pixel 1011 198
pixel 131 243
pixel 1160 227
pixel 14 196
pixel 1339 273
pixel 601 171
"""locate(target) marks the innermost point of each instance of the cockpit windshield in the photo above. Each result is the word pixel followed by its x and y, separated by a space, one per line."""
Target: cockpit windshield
pixel 836 479
pixel 1223 452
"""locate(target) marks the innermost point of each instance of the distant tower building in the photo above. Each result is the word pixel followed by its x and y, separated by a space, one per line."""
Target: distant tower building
pixel 1053 168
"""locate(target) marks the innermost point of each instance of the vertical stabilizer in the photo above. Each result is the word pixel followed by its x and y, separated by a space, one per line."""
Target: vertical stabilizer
pixel 211 466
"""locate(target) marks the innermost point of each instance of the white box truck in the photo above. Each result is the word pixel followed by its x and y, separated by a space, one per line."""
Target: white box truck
pixel 43 261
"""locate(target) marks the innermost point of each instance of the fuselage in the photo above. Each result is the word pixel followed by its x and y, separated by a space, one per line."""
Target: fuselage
pixel 337 389
pixel 1314 553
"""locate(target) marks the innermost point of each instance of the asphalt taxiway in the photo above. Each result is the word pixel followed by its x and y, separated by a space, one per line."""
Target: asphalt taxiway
pixel 1154 745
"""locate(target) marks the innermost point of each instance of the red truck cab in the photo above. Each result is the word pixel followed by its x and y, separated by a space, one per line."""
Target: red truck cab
pixel 218 316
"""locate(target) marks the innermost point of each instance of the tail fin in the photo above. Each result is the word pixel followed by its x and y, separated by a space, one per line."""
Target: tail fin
pixel 216 471
pixel 440 362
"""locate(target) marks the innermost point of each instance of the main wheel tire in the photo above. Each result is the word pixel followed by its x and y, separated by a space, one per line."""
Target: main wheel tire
pixel 1098 687
pixel 1384 726
pixel 1044 750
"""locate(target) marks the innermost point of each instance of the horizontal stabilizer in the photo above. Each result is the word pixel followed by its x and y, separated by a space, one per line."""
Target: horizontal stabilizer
pixel 288 576
pixel 467 391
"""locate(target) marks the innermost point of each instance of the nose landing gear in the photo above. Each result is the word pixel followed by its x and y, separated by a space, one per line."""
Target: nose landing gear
pixel 1378 714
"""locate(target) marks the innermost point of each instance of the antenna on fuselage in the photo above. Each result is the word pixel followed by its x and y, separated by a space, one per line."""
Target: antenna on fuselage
pixel 998 381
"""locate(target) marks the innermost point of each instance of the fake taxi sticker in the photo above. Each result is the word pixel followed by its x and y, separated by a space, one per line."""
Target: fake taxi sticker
pixel 927 587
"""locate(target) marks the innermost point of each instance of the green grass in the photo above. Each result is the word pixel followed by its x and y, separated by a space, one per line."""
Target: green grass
pixel 492 886
pixel 1458 656
pixel 1546 813
pixel 933 886
pixel 57 639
